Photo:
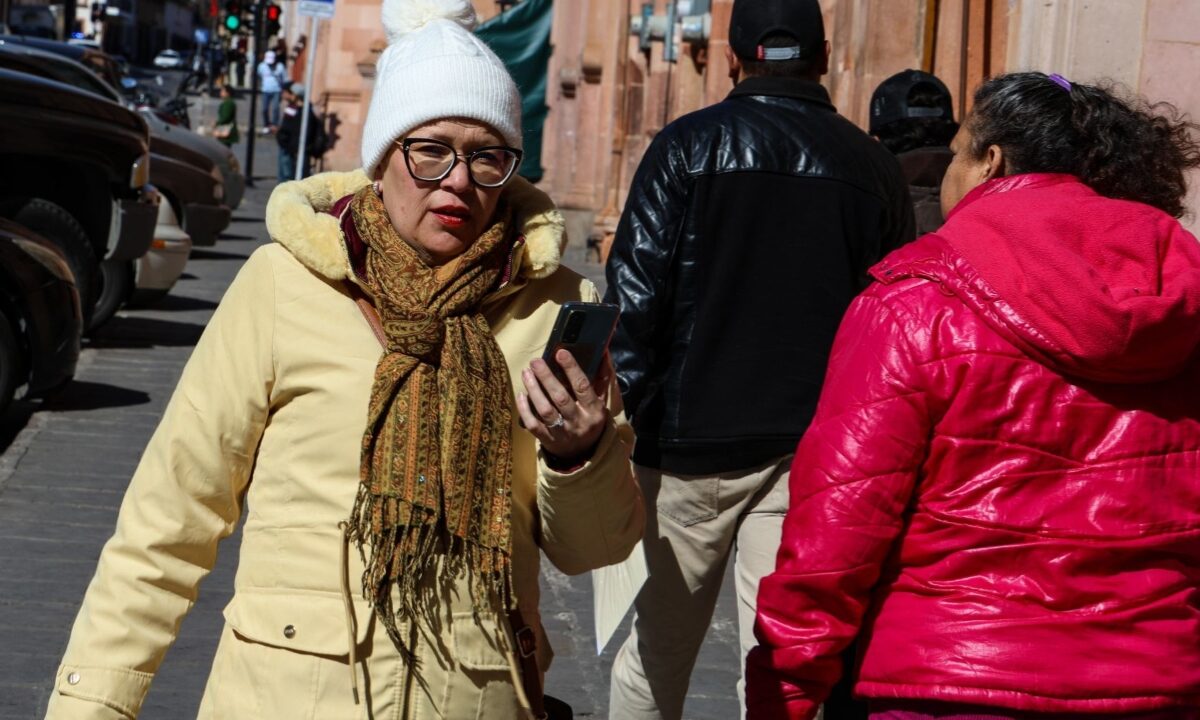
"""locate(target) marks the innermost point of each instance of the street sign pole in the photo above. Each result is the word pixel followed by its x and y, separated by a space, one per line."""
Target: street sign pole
pixel 315 9
pixel 310 52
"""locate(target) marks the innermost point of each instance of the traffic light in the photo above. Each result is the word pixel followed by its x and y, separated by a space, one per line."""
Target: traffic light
pixel 233 15
pixel 273 12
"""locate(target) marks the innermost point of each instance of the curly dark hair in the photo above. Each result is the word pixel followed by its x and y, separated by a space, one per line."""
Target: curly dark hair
pixel 1123 148
pixel 907 134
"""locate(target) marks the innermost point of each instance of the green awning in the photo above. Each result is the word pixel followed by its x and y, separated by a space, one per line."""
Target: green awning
pixel 520 36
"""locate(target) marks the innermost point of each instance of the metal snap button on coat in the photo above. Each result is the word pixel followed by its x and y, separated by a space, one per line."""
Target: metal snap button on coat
pixel 73 678
pixel 289 632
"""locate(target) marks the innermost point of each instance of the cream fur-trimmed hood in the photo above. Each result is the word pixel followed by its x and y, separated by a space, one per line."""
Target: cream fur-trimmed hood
pixel 298 219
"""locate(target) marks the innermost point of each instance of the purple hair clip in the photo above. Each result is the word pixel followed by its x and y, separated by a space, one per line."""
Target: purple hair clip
pixel 1061 81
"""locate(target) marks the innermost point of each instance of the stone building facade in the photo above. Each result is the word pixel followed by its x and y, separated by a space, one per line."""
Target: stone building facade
pixel 612 87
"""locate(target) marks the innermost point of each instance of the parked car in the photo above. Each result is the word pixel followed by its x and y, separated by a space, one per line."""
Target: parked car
pixel 40 316
pixel 232 180
pixel 85 42
pixel 106 69
pixel 158 270
pixel 98 61
pixel 187 180
pixel 164 95
pixel 76 170
pixel 170 60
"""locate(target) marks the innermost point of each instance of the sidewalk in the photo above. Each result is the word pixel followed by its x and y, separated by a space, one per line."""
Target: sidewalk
pixel 63 477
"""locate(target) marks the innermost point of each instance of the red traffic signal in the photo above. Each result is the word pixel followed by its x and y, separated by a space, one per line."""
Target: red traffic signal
pixel 273 12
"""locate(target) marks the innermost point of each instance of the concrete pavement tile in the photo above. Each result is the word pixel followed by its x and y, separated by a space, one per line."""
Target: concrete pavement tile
pixel 32 667
pixel 17 700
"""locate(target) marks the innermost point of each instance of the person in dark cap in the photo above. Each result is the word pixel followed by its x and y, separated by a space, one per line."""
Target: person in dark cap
pixel 289 134
pixel 749 228
pixel 913 116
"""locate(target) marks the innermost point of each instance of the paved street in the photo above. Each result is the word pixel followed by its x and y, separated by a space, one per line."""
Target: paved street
pixel 64 467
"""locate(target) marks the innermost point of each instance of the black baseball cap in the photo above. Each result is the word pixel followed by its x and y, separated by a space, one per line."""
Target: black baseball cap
pixel 753 20
pixel 889 102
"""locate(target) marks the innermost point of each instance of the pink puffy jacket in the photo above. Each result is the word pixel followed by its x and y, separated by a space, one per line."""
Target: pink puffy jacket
pixel 1001 487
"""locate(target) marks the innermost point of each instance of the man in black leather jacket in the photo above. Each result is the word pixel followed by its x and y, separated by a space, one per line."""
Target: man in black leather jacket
pixel 748 230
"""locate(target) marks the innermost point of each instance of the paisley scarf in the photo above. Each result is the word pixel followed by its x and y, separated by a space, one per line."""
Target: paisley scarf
pixel 437 451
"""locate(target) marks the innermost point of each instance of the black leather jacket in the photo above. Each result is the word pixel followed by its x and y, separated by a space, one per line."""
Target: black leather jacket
pixel 748 230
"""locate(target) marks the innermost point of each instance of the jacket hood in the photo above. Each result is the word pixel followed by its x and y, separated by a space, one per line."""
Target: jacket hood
pixel 1097 288
pixel 298 218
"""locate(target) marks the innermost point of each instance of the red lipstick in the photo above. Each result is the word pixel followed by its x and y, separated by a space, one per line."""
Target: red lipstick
pixel 451 215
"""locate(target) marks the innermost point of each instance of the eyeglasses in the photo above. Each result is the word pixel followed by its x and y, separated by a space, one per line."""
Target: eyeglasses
pixel 432 160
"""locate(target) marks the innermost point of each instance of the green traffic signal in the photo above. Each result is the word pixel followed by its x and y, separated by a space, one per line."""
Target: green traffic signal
pixel 233 15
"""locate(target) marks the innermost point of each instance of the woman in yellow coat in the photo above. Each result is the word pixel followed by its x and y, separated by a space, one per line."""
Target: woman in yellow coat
pixel 398 489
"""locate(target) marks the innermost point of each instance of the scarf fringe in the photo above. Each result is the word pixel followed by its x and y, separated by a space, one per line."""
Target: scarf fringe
pixel 407 555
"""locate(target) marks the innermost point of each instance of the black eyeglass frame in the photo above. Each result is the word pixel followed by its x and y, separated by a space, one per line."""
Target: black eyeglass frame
pixel 406 143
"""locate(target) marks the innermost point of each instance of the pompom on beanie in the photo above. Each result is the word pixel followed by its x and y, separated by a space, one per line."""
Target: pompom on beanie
pixel 434 67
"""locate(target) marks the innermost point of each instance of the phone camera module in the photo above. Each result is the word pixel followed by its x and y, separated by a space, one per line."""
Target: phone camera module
pixel 573 327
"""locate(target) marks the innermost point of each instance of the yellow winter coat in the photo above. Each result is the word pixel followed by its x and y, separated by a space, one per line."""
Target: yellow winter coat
pixel 269 415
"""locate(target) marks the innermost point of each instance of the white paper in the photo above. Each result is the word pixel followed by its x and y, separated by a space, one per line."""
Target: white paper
pixel 614 588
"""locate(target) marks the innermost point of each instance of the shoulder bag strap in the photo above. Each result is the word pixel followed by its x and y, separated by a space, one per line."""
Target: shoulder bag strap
pixel 369 312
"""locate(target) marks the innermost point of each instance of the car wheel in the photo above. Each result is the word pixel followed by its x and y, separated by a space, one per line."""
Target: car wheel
pixel 10 363
pixel 116 285
pixel 61 228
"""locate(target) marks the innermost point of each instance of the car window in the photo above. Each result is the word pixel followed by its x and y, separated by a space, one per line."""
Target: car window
pixel 63 71
pixel 104 66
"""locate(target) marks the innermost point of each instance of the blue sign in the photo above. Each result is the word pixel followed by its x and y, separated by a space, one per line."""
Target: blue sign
pixel 316 8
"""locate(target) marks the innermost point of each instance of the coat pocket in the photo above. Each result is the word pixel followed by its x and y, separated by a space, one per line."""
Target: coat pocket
pixel 479 643
pixel 284 654
pixel 300 620
pixel 483 687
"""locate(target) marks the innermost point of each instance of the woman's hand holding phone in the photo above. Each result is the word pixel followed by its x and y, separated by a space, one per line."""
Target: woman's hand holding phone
pixel 567 419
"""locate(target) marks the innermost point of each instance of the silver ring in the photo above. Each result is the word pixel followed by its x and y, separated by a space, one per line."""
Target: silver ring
pixel 557 423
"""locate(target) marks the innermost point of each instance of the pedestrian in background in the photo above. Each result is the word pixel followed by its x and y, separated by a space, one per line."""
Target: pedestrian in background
pixel 226 128
pixel 371 391
pixel 281 51
pixel 1000 494
pixel 239 60
pixel 913 116
pixel 289 135
pixel 215 59
pixel 284 137
pixel 271 79
pixel 748 230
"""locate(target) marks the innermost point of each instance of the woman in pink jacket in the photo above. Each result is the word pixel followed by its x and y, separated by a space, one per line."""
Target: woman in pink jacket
pixel 999 497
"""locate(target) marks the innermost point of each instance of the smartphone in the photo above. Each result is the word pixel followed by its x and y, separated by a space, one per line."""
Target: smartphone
pixel 584 329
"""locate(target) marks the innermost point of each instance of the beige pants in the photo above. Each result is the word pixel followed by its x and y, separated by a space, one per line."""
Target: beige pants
pixel 700 520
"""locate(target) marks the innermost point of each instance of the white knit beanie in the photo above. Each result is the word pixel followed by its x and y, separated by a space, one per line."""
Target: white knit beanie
pixel 434 67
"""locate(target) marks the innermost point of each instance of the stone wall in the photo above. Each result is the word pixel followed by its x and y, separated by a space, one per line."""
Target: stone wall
pixel 608 97
pixel 1147 47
